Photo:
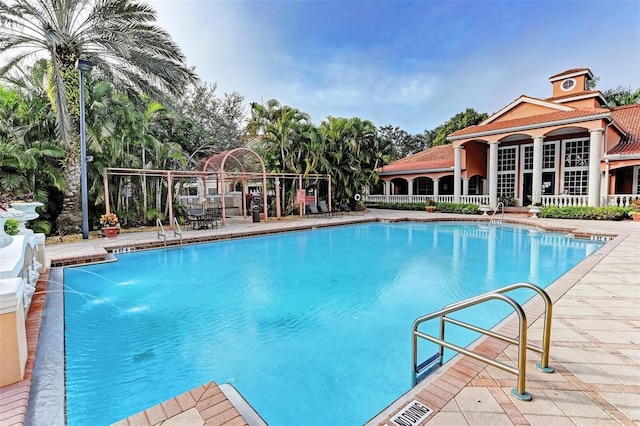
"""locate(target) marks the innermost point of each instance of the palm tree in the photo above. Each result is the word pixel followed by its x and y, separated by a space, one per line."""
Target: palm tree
pixel 289 143
pixel 621 96
pixel 352 152
pixel 118 36
pixel 281 127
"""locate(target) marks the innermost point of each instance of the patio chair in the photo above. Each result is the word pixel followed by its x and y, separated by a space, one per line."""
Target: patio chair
pixel 313 210
pixel 344 208
pixel 322 205
pixel 194 218
pixel 212 217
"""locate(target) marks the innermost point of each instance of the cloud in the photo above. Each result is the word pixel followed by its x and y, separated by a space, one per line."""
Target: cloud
pixel 412 65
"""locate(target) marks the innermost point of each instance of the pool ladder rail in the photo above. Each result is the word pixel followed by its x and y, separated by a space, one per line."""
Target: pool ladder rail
pixel 422 370
pixel 493 216
pixel 177 231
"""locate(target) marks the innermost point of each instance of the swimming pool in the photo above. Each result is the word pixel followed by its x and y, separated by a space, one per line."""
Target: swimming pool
pixel 311 327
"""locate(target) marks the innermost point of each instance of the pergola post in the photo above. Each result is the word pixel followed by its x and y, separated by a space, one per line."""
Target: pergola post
pixel 105 182
pixel 245 192
pixel 170 198
pixel 277 189
pixel 302 202
pixel 329 191
pixel 264 197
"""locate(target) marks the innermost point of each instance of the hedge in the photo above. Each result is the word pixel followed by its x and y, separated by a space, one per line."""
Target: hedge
pixel 443 207
pixel 396 206
pixel 463 208
pixel 585 213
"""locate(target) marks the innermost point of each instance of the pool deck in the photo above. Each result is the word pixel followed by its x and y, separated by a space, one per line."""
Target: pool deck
pixel 595 339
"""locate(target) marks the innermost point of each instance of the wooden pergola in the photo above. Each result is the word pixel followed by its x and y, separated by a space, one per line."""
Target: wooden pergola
pixel 237 165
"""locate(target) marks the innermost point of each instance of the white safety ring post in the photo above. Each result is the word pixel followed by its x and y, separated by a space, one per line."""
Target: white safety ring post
pixel 357 197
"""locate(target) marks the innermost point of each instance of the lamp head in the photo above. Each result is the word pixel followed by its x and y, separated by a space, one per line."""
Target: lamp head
pixel 84 65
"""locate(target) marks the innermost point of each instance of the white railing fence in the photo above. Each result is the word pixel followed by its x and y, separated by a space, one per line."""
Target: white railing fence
pixel 399 199
pixel 620 200
pixel 565 200
pixel 475 199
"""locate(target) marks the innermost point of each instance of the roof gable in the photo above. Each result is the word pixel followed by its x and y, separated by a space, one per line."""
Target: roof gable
pixel 436 157
pixel 580 95
pixel 532 121
pixel 525 106
pixel 572 73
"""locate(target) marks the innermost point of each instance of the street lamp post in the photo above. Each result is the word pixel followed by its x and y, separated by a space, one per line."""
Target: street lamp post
pixel 83 66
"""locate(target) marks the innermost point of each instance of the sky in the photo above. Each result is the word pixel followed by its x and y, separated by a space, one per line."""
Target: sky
pixel 411 64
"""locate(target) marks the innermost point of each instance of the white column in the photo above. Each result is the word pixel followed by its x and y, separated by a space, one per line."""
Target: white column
pixel 485 186
pixel 410 188
pixel 387 189
pixel 605 186
pixel 457 172
pixel 595 144
pixel 436 189
pixel 493 174
pixel 465 186
pixel 536 191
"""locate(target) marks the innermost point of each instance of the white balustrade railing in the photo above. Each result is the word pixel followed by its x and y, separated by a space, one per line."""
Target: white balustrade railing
pixel 619 200
pixel 397 199
pixel 475 199
pixel 565 200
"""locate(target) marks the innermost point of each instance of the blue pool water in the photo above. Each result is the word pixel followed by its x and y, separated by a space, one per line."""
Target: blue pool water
pixel 313 328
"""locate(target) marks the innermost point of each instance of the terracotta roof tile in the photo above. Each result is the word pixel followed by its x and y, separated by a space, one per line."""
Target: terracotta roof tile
pixel 571 71
pixel 572 95
pixel 629 117
pixel 534 119
pixel 436 157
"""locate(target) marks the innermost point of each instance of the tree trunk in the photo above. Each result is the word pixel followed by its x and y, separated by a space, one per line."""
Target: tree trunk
pixel 70 219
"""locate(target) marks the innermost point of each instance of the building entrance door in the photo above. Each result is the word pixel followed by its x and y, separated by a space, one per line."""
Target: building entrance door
pixel 527 186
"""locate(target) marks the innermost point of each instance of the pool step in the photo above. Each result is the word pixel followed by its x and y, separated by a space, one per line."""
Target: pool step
pixel 428 366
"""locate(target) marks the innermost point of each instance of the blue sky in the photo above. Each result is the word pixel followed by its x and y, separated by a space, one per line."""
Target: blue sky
pixel 412 64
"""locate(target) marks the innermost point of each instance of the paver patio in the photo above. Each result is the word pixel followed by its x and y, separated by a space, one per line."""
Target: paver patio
pixel 595 339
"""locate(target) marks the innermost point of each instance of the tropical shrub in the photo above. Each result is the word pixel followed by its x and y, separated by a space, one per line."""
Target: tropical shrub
pixel 462 208
pixel 507 200
pixel 395 206
pixel 153 214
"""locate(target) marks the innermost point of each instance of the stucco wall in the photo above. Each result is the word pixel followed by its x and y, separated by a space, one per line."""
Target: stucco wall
pixel 523 110
pixel 476 159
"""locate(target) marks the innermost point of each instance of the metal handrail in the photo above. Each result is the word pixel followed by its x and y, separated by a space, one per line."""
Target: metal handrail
pixel 520 371
pixel 492 220
pixel 543 365
pixel 160 231
pixel 177 230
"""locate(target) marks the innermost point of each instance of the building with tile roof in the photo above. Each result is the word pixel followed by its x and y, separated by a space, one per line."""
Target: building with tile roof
pixel 568 149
